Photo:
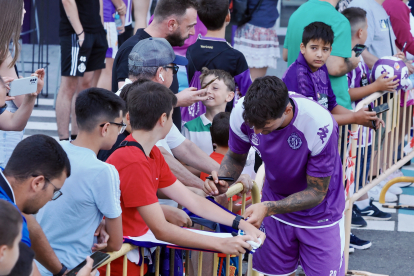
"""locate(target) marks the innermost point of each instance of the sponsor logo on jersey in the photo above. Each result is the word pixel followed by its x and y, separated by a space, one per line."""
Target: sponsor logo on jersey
pixel 323 131
pixel 255 139
pixel 294 141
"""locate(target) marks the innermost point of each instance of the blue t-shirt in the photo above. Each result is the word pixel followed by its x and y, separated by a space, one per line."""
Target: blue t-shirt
pixel 266 14
pixel 8 195
pixel 91 192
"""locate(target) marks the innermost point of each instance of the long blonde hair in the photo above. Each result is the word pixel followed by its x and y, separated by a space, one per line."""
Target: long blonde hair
pixel 11 12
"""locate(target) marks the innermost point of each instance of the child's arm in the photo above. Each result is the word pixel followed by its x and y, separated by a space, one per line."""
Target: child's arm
pixel 381 84
pixel 363 117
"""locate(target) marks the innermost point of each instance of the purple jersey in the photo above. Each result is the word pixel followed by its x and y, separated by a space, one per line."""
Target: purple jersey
pixel 359 77
pixel 108 11
pixel 307 146
pixel 299 78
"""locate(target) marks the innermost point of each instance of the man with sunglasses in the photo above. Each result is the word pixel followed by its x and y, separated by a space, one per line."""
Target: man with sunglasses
pixel 34 175
pixel 74 225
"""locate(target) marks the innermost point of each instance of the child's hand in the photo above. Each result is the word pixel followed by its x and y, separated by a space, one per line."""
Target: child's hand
pixel 384 83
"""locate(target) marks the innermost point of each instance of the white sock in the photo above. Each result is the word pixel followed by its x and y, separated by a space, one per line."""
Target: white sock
pixel 362 204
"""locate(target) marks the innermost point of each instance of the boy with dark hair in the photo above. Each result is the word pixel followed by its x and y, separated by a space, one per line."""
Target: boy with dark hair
pixel 150 107
pixel 10 236
pixel 220 92
pixel 92 191
pixel 303 197
pixel 309 76
pixel 33 176
pixel 213 52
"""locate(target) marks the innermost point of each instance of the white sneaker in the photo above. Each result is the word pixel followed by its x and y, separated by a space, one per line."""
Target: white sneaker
pixel 393 189
pixel 375 192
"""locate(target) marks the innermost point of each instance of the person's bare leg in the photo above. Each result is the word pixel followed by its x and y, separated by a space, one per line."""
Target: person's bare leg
pixel 257 72
pixel 105 79
pixel 66 92
pixel 84 83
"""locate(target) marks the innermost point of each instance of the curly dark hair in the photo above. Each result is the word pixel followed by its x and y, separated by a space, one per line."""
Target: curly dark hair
pixel 265 100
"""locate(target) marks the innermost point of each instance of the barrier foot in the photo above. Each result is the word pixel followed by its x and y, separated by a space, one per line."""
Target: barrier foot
pixel 392 182
pixel 363 273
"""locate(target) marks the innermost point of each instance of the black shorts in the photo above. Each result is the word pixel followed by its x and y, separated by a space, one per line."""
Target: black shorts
pixel 75 60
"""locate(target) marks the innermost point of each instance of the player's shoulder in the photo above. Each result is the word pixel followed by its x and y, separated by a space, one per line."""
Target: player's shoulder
pixel 310 111
pixel 236 115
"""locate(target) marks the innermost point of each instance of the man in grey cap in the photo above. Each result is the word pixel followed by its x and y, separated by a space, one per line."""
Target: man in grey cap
pixel 154 59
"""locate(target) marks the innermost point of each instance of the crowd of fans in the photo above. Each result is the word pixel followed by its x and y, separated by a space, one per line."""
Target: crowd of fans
pixel 154 111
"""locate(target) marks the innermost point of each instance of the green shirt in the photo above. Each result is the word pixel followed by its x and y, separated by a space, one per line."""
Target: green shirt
pixel 312 11
pixel 198 132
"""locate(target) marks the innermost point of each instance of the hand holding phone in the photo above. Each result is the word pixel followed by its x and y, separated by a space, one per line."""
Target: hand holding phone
pixel 225 178
pixel 86 267
pixel 23 86
pixel 358 49
pixel 370 109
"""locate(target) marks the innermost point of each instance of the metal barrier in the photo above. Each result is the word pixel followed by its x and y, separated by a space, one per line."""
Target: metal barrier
pixel 385 153
pixel 233 190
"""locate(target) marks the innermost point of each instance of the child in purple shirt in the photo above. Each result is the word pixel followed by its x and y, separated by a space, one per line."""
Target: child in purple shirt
pixel 308 75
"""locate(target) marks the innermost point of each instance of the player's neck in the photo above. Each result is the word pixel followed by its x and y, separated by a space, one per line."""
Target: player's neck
pixel 289 117
pixel 221 150
pixel 87 140
pixel 147 139
pixel 214 110
pixel 217 34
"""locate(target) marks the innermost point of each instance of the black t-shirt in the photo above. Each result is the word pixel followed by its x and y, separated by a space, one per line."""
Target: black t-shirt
pixel 120 69
pixel 89 17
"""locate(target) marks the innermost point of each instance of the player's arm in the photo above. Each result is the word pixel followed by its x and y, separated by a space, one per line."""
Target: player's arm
pixel 71 11
pixel 231 166
pixel 206 209
pixel 40 245
pixel 306 199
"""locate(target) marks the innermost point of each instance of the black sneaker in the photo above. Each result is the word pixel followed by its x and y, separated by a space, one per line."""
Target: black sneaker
pixel 373 213
pixel 357 220
pixel 357 243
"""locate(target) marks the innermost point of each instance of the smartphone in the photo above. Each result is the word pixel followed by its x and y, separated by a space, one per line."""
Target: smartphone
pixel 358 49
pixel 225 178
pixel 23 86
pixel 210 82
pixel 97 257
pixel 381 108
pixel 370 109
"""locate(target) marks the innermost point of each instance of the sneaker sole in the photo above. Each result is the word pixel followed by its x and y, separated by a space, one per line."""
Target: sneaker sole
pixel 358 225
pixel 361 247
pixel 403 185
pixel 351 250
pixel 375 218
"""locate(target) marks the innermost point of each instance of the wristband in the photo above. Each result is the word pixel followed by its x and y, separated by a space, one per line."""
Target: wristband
pixel 62 271
pixel 79 33
pixel 236 222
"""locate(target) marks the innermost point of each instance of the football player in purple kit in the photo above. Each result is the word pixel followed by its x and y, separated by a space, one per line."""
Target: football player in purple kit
pixel 303 198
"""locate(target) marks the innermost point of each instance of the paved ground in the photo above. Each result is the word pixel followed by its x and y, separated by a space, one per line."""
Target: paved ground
pixel 392 251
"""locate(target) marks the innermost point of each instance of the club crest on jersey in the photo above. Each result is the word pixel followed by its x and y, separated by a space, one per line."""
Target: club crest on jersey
pixel 323 131
pixel 294 141
pixel 254 139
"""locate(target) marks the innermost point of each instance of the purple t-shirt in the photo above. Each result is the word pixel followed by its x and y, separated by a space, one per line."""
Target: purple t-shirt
pixel 299 78
pixel 108 11
pixel 307 146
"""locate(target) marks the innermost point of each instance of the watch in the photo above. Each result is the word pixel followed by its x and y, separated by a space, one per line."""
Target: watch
pixel 3 108
pixel 62 271
pixel 236 222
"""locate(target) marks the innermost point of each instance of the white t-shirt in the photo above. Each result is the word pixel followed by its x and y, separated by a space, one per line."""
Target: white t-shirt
pixel 91 192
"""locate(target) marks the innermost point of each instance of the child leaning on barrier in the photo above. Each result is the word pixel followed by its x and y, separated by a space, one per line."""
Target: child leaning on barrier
pixel 143 171
pixel 360 87
pixel 308 76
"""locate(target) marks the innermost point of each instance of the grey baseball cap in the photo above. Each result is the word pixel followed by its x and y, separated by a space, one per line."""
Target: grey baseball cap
pixel 154 52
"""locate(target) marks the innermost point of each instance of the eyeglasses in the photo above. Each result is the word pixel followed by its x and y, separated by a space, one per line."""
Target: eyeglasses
pixel 56 193
pixel 173 67
pixel 122 125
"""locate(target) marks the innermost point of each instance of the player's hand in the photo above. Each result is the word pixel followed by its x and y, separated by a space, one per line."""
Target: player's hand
pixel 190 96
pixel 215 187
pixel 87 269
pixel 256 213
pixel 177 216
pixel 364 117
pixel 103 237
pixel 247 182
pixel 384 83
pixel 235 246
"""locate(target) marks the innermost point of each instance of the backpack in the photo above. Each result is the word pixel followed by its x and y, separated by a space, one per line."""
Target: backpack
pixel 240 11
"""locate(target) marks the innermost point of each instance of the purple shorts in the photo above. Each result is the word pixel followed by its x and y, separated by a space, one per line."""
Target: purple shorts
pixel 319 250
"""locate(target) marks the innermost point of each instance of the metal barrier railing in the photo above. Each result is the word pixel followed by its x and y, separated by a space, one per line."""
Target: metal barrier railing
pixel 233 190
pixel 385 150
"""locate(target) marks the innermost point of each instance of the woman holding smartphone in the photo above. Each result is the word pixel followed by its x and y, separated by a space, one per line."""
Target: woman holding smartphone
pixel 17 110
